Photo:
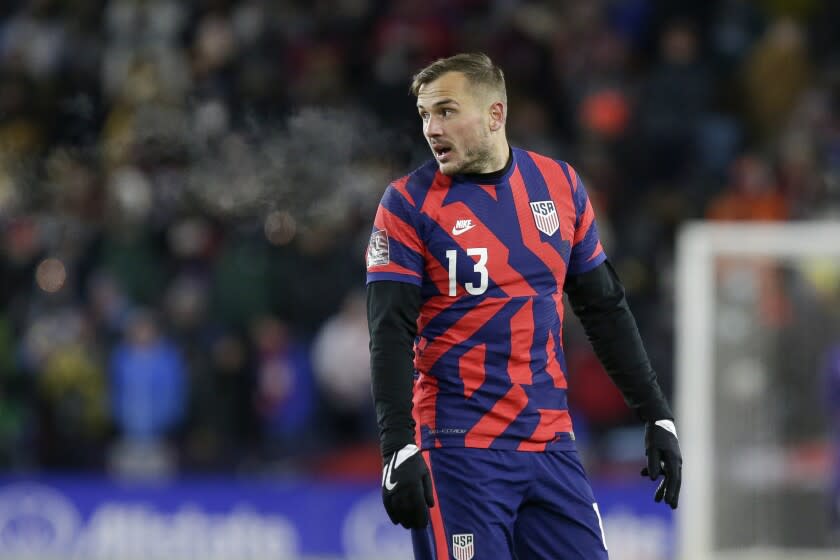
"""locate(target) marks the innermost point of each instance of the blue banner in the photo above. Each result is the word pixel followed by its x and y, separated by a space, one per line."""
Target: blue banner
pixel 226 519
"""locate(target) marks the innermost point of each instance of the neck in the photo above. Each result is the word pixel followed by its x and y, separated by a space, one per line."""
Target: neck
pixel 489 177
pixel 498 157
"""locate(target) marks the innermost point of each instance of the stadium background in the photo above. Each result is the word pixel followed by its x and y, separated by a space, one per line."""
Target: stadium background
pixel 186 192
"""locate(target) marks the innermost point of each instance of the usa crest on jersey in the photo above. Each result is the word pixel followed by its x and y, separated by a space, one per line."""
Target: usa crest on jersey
pixel 462 546
pixel 545 216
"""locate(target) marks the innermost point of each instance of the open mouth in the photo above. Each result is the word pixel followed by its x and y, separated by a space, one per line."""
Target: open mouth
pixel 441 152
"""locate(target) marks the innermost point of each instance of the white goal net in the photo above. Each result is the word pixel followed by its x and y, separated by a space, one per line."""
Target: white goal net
pixel 758 311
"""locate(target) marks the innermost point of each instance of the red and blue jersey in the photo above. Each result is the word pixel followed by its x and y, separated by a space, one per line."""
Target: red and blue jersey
pixel 490 259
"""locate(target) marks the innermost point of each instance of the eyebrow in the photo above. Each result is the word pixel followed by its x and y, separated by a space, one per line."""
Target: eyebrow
pixel 441 102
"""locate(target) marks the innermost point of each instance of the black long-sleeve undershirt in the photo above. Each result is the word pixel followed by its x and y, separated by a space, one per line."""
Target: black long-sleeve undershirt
pixel 392 309
pixel 597 298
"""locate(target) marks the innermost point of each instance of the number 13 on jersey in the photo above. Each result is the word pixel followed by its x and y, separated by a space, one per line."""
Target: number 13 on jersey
pixel 479 267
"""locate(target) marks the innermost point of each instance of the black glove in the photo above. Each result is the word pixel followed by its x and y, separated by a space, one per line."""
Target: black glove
pixel 664 458
pixel 407 488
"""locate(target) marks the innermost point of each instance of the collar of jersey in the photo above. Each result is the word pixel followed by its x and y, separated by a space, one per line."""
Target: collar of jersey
pixel 494 178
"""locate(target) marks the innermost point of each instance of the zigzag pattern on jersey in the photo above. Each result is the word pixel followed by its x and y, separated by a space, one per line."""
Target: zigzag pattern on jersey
pixel 491 366
pixel 495 408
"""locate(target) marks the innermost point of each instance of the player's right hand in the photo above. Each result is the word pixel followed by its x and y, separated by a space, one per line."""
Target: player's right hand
pixel 407 488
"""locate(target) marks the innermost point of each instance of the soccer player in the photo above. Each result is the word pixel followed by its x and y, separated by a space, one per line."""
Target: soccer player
pixel 467 263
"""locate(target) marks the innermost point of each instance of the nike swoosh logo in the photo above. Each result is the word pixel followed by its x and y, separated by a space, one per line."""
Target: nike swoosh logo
pixel 667 425
pixel 458 231
pixel 389 470
pixel 397 459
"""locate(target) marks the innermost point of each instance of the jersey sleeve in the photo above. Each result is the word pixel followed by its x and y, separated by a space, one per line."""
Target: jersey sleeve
pixel 587 252
pixel 395 249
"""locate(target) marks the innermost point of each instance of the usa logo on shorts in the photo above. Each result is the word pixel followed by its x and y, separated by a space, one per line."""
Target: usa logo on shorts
pixel 462 546
pixel 545 216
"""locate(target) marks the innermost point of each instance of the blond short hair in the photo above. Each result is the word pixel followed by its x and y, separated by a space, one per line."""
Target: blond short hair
pixel 476 67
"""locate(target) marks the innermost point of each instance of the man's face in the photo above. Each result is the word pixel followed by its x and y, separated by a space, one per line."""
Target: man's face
pixel 456 124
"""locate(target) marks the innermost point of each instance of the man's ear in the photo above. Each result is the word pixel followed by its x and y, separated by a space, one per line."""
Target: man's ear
pixel 497 116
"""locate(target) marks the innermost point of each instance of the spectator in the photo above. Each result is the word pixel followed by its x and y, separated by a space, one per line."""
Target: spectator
pixel 285 399
pixel 148 382
pixel 775 73
pixel 752 194
pixel 342 367
pixel 673 99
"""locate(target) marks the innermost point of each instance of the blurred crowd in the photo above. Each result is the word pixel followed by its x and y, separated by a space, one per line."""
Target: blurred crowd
pixel 187 189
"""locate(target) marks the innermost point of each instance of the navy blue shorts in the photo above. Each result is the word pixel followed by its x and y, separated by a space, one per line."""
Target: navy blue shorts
pixel 502 504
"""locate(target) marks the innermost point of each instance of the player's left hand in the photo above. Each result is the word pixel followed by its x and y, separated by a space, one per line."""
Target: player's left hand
pixel 664 458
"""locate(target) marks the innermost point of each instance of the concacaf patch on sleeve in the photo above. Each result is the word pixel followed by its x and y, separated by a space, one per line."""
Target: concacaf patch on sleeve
pixel 377 252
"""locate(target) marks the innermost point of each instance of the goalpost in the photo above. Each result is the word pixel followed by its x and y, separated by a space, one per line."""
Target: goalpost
pixel 757 307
